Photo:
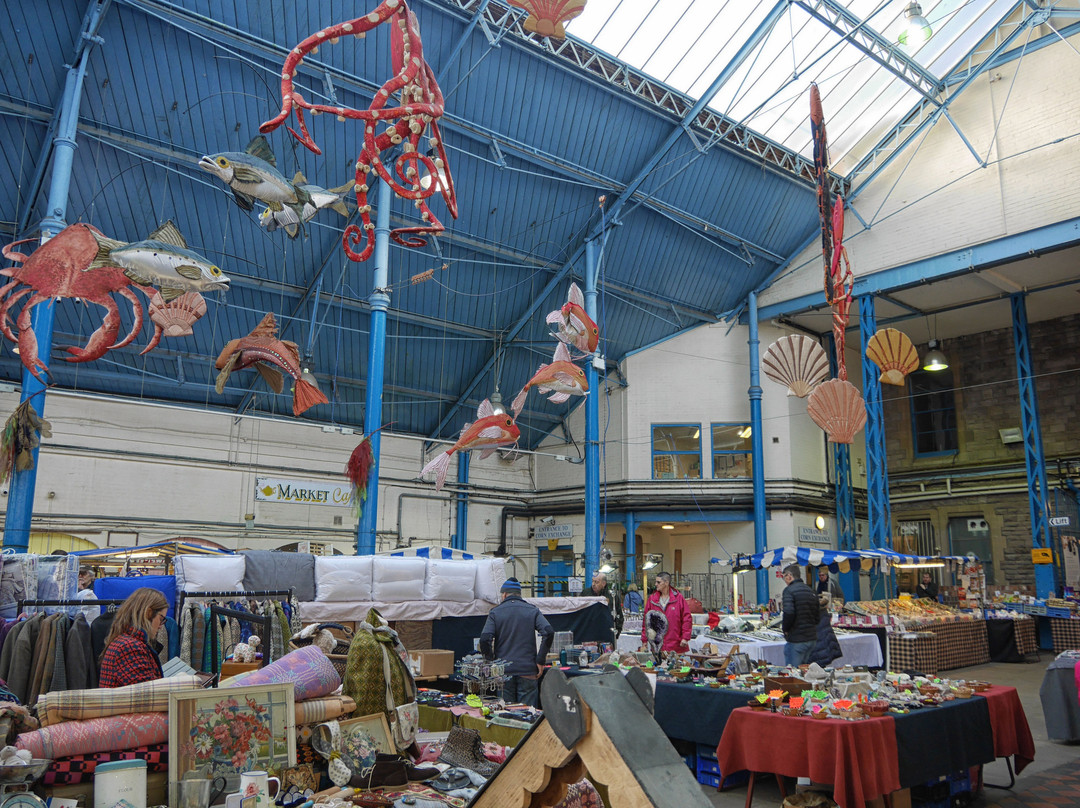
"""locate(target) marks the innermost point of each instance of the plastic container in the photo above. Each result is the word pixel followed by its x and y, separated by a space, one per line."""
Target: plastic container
pixel 121 782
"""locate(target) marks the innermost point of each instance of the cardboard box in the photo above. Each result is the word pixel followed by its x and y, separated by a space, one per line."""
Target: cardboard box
pixel 432 662
pixel 793 686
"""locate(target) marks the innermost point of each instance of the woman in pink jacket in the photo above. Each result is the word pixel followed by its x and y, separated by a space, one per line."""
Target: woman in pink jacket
pixel 673 605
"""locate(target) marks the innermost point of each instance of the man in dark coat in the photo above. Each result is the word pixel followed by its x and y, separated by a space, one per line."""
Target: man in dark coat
pixel 510 634
pixel 800 617
pixel 600 587
pixel 928 588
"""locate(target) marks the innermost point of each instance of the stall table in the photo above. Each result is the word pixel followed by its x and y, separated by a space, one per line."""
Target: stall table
pixel 1066 633
pixel 858 649
pixel 1058 695
pixel 1011 640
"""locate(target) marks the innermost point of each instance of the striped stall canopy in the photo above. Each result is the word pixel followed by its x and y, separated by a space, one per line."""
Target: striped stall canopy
pixel 164 548
pixel 446 553
pixel 834 559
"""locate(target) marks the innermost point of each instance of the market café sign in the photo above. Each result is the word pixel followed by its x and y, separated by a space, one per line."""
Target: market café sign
pixel 304 492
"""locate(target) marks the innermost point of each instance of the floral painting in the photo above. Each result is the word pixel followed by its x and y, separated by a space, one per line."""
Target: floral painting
pixel 227 731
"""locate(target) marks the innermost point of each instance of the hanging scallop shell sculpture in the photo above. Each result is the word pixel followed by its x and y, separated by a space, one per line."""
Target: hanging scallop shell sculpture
pixel 797 362
pixel 546 17
pixel 892 351
pixel 837 407
pixel 178 315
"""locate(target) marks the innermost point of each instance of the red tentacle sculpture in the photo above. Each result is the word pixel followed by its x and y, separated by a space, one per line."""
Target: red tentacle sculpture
pixel 419 108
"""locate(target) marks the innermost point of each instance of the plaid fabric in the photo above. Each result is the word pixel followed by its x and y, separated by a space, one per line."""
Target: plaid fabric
pixel 960 644
pixel 1024 631
pixel 315 711
pixel 80 768
pixel 1066 633
pixel 145 697
pixel 128 660
pixel 913 654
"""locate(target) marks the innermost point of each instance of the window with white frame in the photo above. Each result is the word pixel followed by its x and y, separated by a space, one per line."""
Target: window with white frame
pixel 676 451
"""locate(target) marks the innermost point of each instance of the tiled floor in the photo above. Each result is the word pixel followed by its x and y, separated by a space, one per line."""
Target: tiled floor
pixel 1051 781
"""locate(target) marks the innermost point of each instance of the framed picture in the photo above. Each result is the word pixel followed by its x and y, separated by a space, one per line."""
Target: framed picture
pixel 741 663
pixel 362 738
pixel 227 731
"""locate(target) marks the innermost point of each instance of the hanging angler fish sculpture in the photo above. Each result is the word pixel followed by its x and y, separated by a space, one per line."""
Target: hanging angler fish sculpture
pixel 260 347
pixel 421 105
pixel 575 327
pixel 252 174
pixel 562 378
pixel 318 199
pixel 490 431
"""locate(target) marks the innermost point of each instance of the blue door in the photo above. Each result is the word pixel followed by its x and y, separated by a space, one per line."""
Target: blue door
pixel 553 570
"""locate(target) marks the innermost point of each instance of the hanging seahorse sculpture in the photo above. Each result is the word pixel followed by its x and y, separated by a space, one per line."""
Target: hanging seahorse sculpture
pixel 420 106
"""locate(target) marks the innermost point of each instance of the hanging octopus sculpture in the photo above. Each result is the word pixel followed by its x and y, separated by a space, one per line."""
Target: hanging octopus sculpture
pixel 417 106
pixel 838 273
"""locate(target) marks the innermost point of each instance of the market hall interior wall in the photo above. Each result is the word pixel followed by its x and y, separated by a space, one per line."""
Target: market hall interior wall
pixel 161 471
pixel 987 400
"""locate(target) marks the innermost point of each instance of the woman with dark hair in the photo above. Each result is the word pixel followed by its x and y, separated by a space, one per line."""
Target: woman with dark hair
pixel 827 649
pixel 129 656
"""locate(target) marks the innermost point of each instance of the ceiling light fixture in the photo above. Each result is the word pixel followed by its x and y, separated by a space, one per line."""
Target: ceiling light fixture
pixel 697 434
pixel 934 360
pixel 746 432
pixel 652 561
pixel 819 522
pixel 916 31
pixel 667 527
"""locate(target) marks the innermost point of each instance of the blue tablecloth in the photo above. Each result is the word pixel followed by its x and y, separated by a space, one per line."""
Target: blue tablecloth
pixel 951 737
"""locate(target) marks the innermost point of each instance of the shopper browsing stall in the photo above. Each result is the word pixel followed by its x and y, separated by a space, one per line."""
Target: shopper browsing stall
pixel 600 587
pixel 673 605
pixel 129 656
pixel 825 585
pixel 800 617
pixel 827 648
pixel 632 601
pixel 510 634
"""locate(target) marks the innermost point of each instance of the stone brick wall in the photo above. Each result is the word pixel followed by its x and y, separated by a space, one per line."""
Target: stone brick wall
pixel 987 400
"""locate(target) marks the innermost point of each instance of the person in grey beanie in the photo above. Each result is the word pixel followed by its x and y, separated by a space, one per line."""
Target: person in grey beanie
pixel 510 634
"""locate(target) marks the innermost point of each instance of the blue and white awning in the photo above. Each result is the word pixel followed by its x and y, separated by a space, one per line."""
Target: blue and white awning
pixel 446 553
pixel 835 560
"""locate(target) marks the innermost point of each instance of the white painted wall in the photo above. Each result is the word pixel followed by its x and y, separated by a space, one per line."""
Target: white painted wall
pixel 936 198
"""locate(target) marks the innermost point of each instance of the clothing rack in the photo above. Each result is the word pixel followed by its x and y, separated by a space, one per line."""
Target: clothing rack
pixel 20 604
pixel 263 622
pixel 240 594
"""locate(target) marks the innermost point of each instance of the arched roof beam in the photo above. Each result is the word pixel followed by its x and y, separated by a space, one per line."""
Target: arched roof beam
pixel 599 230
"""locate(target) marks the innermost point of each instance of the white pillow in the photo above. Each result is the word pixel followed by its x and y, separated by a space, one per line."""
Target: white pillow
pixel 210 573
pixel 450 580
pixel 490 576
pixel 343 578
pixel 397 579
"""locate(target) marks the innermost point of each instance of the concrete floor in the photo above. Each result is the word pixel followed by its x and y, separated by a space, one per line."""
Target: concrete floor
pixel 1025 677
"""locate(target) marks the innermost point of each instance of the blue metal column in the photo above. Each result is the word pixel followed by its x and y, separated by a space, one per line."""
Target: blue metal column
pixel 380 302
pixel 1045 583
pixel 877 468
pixel 630 546
pixel 592 426
pixel 845 503
pixel 20 504
pixel 757 451
pixel 461 538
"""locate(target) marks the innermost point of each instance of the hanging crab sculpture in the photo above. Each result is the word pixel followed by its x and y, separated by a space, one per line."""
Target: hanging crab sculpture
pixel 59 268
pixel 418 104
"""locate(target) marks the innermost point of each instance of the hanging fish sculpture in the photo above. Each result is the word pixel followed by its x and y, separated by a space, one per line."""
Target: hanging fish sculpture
pixel 575 327
pixel 257 349
pixel 162 260
pixel 318 199
pixel 562 378
pixel 252 174
pixel 490 431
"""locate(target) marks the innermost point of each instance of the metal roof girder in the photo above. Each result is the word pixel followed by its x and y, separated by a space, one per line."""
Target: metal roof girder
pixel 970 75
pixel 873 44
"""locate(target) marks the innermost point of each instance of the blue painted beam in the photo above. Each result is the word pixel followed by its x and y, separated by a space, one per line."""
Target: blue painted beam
pixel 1034 458
pixel 592 423
pixel 22 484
pixel 757 451
pixel 630 545
pixel 469 27
pixel 380 302
pixel 947 265
pixel 460 540
pixel 877 468
pixel 845 501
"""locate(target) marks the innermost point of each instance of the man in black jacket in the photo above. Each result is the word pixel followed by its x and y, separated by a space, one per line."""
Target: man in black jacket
pixel 510 634
pixel 800 617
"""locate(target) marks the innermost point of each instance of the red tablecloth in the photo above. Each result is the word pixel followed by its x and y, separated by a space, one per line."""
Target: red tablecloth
pixel 858 757
pixel 1012 735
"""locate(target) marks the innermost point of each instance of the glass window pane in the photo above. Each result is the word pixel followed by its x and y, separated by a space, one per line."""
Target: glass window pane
pixel 933 412
pixel 731 438
pixel 676 451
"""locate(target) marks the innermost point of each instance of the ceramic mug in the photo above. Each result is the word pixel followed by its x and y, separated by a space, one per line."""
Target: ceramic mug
pixel 257 784
pixel 199 793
